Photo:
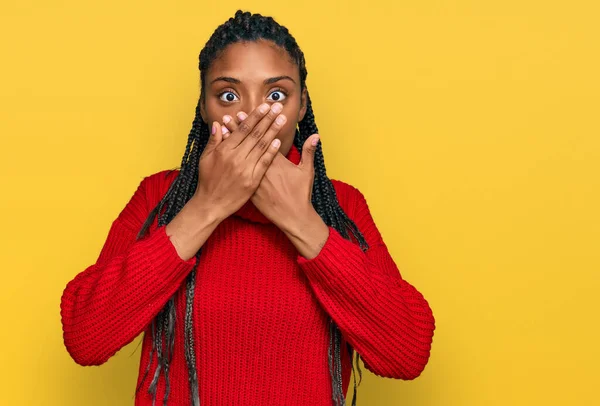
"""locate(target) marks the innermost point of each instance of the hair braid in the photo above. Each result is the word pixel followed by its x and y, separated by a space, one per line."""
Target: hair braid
pixel 244 26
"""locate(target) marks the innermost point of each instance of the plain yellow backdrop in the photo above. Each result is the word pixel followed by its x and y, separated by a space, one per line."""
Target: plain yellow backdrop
pixel 472 127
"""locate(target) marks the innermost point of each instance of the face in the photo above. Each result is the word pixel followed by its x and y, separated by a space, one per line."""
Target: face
pixel 247 74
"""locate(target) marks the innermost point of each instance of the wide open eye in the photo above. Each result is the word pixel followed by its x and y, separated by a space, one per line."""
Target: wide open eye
pixel 228 96
pixel 279 95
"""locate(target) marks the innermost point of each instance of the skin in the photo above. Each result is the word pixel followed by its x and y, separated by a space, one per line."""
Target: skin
pixel 251 63
pixel 284 197
pixel 229 172
pixel 230 167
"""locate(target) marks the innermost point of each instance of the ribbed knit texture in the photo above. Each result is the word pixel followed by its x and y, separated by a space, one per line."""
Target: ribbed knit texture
pixel 260 310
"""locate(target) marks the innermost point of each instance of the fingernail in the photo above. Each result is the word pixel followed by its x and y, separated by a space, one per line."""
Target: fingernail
pixel 315 141
pixel 276 143
pixel 226 119
pixel 280 119
pixel 225 130
pixel 263 108
pixel 242 116
pixel 277 107
pixel 214 128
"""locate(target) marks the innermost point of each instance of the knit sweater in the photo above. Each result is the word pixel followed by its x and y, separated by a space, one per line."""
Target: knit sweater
pixel 260 312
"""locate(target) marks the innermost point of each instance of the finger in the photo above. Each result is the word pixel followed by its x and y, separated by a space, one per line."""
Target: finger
pixel 263 143
pixel 228 126
pixel 216 136
pixel 247 126
pixel 226 132
pixel 259 130
pixel 231 124
pixel 308 152
pixel 266 159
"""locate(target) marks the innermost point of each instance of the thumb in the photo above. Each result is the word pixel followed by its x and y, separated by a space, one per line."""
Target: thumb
pixel 308 151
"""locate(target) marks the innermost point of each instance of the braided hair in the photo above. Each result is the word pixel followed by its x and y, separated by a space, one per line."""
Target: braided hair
pixel 244 26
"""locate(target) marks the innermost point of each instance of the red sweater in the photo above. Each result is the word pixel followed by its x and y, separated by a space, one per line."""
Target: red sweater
pixel 260 310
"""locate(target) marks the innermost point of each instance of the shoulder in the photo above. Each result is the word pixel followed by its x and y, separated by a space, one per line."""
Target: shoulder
pixel 348 196
pixel 345 188
pixel 155 185
pixel 354 204
pixel 149 192
pixel 161 177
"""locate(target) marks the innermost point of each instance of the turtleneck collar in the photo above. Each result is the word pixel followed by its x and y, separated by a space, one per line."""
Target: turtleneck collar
pixel 249 211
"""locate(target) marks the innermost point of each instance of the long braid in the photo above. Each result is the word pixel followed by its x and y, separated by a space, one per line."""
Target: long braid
pixel 179 193
pixel 244 26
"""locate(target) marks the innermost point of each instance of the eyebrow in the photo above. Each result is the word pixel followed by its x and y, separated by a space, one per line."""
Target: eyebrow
pixel 268 81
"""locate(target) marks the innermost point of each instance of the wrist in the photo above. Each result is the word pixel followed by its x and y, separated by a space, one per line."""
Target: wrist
pixel 301 223
pixel 191 227
pixel 308 234
pixel 209 211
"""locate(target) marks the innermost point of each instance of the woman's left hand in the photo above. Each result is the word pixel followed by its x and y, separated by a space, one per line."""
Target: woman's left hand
pixel 284 196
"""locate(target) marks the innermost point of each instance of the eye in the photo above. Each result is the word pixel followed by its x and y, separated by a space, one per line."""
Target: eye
pixel 278 95
pixel 229 96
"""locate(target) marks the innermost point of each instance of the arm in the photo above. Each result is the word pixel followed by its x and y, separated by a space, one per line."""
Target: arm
pixel 385 319
pixel 112 301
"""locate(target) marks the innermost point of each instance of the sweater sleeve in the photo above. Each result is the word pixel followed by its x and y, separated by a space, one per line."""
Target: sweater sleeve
pixel 385 319
pixel 112 301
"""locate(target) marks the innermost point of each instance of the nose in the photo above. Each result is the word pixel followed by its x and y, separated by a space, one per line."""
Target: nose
pixel 250 103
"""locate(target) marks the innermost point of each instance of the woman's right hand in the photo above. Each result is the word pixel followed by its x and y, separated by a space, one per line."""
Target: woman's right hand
pixel 231 169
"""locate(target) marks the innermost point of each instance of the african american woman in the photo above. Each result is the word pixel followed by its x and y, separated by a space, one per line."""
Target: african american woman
pixel 255 278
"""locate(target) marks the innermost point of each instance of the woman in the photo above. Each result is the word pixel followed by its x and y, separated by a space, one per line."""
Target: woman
pixel 253 276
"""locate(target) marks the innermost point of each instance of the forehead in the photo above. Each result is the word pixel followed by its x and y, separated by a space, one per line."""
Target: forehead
pixel 253 60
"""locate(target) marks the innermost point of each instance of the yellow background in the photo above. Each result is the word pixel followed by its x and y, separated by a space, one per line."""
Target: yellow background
pixel 471 127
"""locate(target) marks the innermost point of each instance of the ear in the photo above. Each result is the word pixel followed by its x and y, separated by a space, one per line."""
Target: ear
pixel 203 109
pixel 303 99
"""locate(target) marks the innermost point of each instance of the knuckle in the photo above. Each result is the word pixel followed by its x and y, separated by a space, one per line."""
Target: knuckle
pixel 256 133
pixel 265 161
pixel 244 127
pixel 247 183
pixel 262 144
pixel 268 157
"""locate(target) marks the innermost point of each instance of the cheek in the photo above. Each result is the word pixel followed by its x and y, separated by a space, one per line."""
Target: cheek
pixel 291 111
pixel 288 130
pixel 215 112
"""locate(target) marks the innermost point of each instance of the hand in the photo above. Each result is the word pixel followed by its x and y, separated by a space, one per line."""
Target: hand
pixel 284 194
pixel 231 168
